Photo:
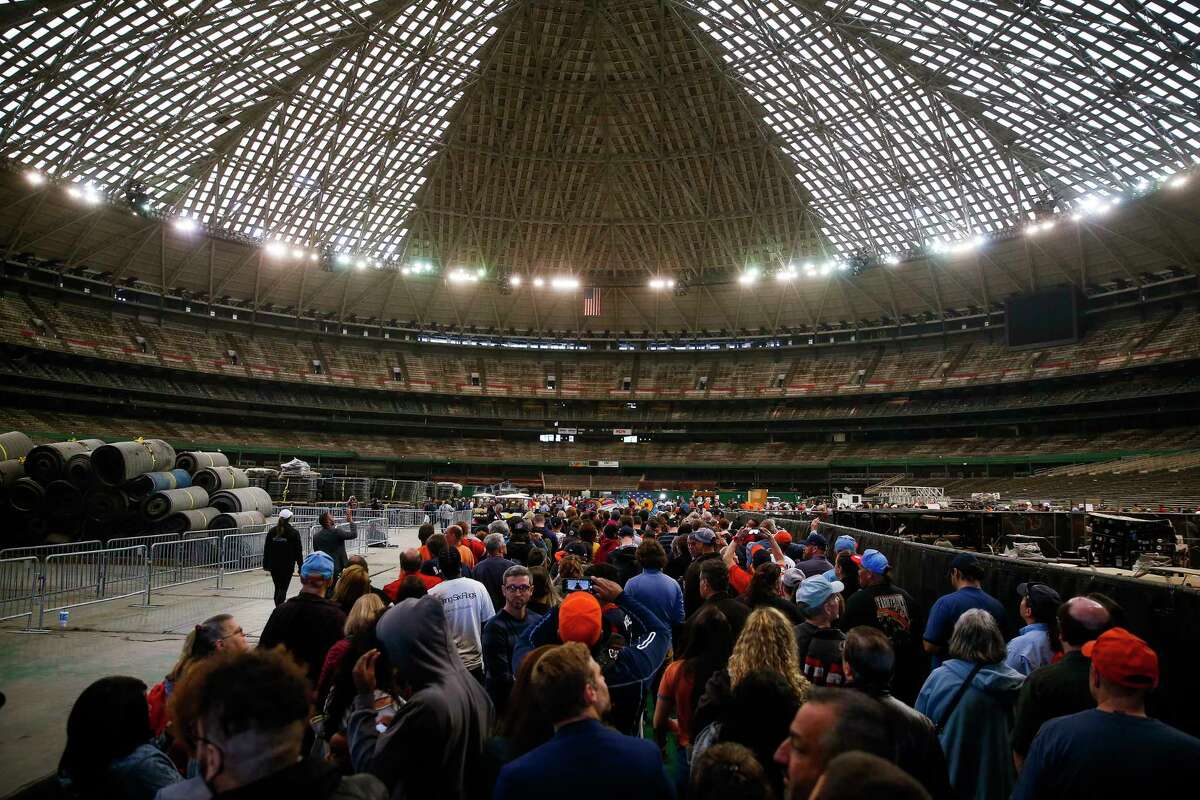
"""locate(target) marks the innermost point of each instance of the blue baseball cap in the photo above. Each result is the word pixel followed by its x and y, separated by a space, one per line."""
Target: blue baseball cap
pixel 817 539
pixel 874 562
pixel 830 574
pixel 704 536
pixel 815 590
pixel 317 563
pixel 845 542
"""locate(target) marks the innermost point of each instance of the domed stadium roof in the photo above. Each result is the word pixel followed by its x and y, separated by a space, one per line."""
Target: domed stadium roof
pixel 603 141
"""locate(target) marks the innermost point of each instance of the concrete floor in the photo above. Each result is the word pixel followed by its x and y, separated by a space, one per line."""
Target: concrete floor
pixel 42 673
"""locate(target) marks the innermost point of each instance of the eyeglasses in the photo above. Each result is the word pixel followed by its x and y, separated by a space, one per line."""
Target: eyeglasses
pixel 238 632
pixel 521 588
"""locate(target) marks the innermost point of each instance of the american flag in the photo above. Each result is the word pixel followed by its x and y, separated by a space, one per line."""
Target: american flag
pixel 591 303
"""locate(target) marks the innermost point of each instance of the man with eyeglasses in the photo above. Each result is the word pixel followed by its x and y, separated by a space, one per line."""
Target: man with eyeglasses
pixel 503 631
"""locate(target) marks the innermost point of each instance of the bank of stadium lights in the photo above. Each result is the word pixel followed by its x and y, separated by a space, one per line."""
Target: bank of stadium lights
pixel 84 193
pixel 563 283
pixel 463 275
pixel 514 280
pixel 662 283
pixel 185 225
pixel 417 268
pixel 538 283
pixel 891 259
pixel 34 177
pixel 749 276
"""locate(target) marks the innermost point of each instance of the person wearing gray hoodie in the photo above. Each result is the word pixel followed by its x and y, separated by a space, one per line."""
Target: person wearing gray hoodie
pixel 971 700
pixel 432 746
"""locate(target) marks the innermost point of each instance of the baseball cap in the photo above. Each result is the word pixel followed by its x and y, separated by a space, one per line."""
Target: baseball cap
pixel 874 562
pixel 792 578
pixel 317 563
pixel 285 513
pixel 784 538
pixel 704 536
pixel 627 530
pixel 1039 594
pixel 845 542
pixel 578 548
pixel 579 618
pixel 759 554
pixel 830 574
pixel 1123 658
pixel 816 590
pixel 817 539
pixel 964 560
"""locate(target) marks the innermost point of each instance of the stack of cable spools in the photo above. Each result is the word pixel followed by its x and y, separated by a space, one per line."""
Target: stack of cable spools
pixel 338 489
pixel 86 489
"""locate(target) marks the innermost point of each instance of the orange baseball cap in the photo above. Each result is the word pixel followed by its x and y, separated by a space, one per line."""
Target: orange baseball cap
pixel 783 537
pixel 1123 658
pixel 579 618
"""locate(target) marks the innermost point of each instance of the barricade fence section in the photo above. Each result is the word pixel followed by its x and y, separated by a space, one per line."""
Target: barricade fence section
pixel 41 551
pixel 184 561
pixel 69 580
pixel 18 588
pixel 242 552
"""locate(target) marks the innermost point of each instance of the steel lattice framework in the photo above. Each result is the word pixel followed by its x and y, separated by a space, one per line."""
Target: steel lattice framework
pixel 609 139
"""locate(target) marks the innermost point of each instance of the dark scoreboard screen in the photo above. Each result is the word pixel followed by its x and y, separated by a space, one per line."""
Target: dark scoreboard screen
pixel 1046 317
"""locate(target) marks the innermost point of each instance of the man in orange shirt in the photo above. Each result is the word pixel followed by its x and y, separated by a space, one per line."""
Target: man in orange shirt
pixel 454 538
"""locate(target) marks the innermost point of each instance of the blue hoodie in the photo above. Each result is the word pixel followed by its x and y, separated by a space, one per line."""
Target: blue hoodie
pixel 977 736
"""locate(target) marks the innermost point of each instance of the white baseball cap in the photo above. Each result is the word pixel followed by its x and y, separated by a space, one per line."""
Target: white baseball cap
pixel 285 513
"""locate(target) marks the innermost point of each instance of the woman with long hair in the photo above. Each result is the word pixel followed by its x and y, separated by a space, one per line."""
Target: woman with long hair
pixel 109 753
pixel 525 723
pixel 545 595
pixel 362 616
pixel 763 591
pixel 353 583
pixel 709 643
pixel 282 554
pixel 767 642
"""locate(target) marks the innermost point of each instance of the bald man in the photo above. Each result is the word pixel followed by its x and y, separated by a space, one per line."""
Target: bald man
pixel 1061 688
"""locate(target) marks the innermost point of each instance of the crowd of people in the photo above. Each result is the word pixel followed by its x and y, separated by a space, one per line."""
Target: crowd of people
pixel 624 654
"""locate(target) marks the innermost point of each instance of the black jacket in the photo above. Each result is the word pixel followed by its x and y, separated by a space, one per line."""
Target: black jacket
pixel 282 549
pixel 307 626
pixel 918 751
pixel 332 541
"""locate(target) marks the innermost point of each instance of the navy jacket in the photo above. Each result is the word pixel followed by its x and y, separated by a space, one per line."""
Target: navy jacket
pixel 632 768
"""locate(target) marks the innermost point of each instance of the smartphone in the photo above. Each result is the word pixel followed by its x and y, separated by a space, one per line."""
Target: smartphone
pixel 579 585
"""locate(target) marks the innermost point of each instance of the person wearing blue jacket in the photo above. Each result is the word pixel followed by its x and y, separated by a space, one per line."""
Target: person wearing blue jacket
pixel 628 658
pixel 573 689
pixel 971 699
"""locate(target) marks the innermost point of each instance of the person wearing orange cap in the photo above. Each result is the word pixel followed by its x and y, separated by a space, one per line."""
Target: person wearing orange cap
pixel 1113 750
pixel 628 665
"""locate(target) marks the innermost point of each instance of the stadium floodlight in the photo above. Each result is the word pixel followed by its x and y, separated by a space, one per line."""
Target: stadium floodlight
pixel 275 249
pixel 891 259
pixel 297 253
pixel 1178 182
pixel 662 283
pixel 564 283
pixel 34 178
pixel 538 282
pixel 461 275
pixel 360 264
pixel 749 277
pixel 514 280
pixel 787 274
pixel 185 225
pixel 342 259
pixel 314 257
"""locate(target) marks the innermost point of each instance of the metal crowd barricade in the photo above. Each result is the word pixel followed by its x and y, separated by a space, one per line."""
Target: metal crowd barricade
pixel 149 540
pixel 184 561
pixel 18 588
pixel 69 580
pixel 242 552
pixel 40 552
pixel 373 532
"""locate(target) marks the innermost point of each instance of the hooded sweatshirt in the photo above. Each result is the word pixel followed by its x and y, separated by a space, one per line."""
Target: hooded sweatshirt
pixel 977 734
pixel 432 746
